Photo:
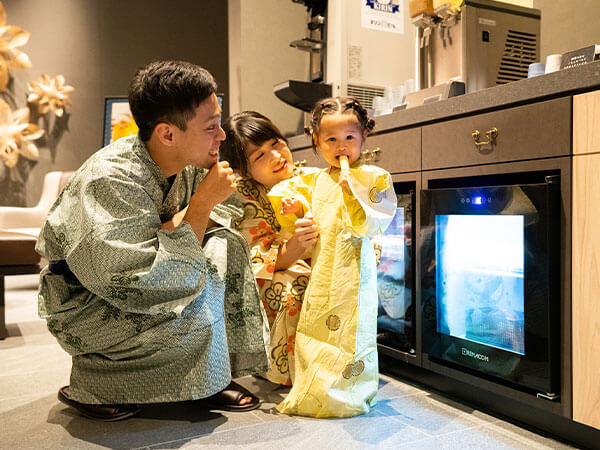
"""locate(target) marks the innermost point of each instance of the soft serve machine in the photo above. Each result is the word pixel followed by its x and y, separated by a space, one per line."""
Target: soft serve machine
pixel 349 56
pixel 482 43
pixel 461 46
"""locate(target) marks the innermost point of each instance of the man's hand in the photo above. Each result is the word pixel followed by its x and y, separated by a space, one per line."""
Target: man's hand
pixel 217 186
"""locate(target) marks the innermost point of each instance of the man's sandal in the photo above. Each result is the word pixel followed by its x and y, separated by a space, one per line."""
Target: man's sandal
pixel 229 399
pixel 106 413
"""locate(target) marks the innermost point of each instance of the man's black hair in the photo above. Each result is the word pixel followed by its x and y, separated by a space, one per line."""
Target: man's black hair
pixel 168 91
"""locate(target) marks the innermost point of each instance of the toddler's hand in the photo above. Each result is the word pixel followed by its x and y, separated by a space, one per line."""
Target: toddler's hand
pixel 291 205
pixel 343 179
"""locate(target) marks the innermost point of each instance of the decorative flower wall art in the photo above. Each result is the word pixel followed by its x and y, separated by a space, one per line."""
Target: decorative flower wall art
pixel 17 135
pixel 11 38
pixel 50 94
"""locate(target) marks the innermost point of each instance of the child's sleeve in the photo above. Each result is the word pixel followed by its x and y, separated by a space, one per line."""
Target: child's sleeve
pixel 299 187
pixel 371 208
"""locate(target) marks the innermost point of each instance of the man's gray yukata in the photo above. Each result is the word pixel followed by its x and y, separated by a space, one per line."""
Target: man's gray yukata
pixel 148 315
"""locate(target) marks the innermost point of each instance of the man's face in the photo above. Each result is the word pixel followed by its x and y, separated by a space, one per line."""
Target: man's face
pixel 199 143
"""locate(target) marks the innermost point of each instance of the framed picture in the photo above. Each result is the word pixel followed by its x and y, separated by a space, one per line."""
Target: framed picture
pixel 220 100
pixel 118 121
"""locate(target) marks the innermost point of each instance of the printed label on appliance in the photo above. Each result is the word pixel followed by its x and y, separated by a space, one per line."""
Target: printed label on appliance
pixel 354 62
pixel 489 22
pixel 383 15
pixel 472 354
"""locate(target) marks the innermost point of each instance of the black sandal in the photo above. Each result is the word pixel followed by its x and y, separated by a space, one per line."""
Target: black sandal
pixel 229 399
pixel 106 413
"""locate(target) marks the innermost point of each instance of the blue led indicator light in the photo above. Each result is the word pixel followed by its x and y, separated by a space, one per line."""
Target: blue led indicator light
pixel 477 200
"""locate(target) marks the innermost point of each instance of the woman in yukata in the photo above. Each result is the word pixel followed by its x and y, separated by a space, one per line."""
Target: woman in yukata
pixel 336 349
pixel 257 151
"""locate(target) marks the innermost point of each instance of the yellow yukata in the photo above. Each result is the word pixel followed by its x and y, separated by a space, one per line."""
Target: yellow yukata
pixel 336 349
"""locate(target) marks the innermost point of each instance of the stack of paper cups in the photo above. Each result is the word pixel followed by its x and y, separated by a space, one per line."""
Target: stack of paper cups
pixel 536 69
pixel 553 63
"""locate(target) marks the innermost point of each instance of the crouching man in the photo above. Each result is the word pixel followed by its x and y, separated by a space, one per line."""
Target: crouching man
pixel 150 311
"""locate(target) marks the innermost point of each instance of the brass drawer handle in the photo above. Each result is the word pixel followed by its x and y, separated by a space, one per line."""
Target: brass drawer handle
pixel 491 134
pixel 371 155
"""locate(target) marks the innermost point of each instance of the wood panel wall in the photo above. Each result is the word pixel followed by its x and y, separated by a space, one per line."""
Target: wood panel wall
pixel 586 123
pixel 586 259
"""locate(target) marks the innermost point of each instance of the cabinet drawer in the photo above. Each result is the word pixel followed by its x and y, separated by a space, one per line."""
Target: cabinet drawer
pixel 400 151
pixel 308 158
pixel 527 132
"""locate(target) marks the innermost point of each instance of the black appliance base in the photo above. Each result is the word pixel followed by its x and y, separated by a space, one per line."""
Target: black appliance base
pixel 302 94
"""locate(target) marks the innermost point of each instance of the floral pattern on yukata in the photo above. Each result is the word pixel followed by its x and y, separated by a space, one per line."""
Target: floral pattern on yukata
pixel 336 348
pixel 281 291
pixel 144 313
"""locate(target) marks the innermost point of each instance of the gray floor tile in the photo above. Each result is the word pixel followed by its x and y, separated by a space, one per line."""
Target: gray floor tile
pixel 480 438
pixel 33 367
pixel 487 437
pixel 368 431
pixel 390 388
pixel 534 440
pixel 474 414
pixel 425 414
pixel 47 420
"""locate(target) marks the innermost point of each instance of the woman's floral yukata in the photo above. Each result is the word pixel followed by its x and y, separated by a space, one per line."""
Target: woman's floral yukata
pixel 281 291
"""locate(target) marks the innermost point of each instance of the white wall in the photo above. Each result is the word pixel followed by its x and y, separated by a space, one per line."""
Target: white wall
pixel 568 25
pixel 260 57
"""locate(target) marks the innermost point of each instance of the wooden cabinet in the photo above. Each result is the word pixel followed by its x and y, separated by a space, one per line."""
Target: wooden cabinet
pixel 526 132
pixel 586 123
pixel 400 151
pixel 586 259
pixel 307 157
pixel 530 137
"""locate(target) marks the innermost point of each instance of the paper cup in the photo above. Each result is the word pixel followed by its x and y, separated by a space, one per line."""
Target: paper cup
pixel 553 63
pixel 536 69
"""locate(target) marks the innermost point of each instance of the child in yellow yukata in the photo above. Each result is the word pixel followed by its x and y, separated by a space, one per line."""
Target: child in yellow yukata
pixel 336 349
pixel 257 151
